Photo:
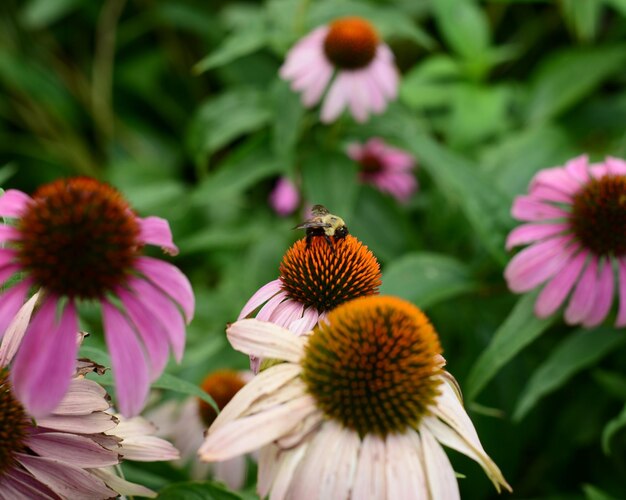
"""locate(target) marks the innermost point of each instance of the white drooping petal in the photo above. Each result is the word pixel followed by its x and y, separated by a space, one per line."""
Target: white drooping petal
pixel 370 480
pixel 265 340
pixel 404 467
pixel 439 472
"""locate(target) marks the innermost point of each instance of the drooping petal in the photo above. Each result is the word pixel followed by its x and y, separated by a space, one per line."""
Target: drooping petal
pixel 83 397
pixel 152 333
pixel 122 486
pixel 288 462
pixel 9 233
pixel 529 233
pixel 584 294
pixel 19 485
pixel 15 331
pixel 46 360
pixel 171 280
pixel 306 323
pixel 370 479
pixel 604 297
pixel 164 312
pixel 68 481
pixel 128 361
pixel 531 209
pixel 336 99
pixel 264 340
pixel 231 472
pixel 557 289
pixel 156 231
pixel 249 433
pixel 404 468
pixel 261 296
pixel 11 302
pixel 620 321
pixel 439 472
pixel 13 203
pixel 71 449
pixel 79 424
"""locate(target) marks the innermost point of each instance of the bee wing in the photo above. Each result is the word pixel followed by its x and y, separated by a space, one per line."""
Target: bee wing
pixel 312 224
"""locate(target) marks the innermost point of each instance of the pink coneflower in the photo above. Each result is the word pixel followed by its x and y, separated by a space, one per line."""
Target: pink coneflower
pixel 70 452
pixel 78 240
pixel 386 168
pixel 366 77
pixel 184 423
pixel 314 279
pixel 284 198
pixel 358 409
pixel 576 228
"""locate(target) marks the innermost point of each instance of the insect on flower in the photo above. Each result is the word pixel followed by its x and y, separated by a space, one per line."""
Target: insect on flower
pixel 323 223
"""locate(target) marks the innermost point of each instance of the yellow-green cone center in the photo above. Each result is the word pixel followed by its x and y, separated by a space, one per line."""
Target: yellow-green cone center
pixel 373 366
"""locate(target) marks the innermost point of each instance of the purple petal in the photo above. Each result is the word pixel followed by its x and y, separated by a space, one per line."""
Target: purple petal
pixel 15 331
pixel 10 303
pixel 270 306
pixel 156 231
pixel 578 168
pixel 616 166
pixel 537 263
pixel 529 208
pixel 555 292
pixel 9 233
pixel 604 297
pixel 284 198
pixel 128 361
pixel 7 256
pixel 164 311
pixel 336 99
pixel 529 233
pixel 46 360
pixel 13 203
pixel 171 280
pixel 261 296
pixel 71 449
pixel 556 178
pixel 68 481
pixel 549 193
pixel 621 313
pixel 584 294
pixel 152 333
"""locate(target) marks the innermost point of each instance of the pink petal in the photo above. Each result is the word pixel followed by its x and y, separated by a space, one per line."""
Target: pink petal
pixel 309 319
pixel 616 166
pixel 265 313
pixel 583 297
pixel 336 99
pixel 13 203
pixel 603 299
pixel 153 334
pixel 578 168
pixel 529 233
pixel 156 231
pixel 128 361
pixel 164 312
pixel 66 480
pixel 10 303
pixel 355 151
pixel 19 485
pixel 71 449
pixel 549 193
pixel 9 233
pixel 557 289
pixel 93 423
pixel 83 397
pixel 529 208
pixel 46 360
pixel 537 263
pixel 358 95
pixel 621 313
pixel 261 296
pixel 6 272
pixel 171 281
pixel 16 330
pixel 556 178
pixel 284 198
pixel 384 72
pixel 7 256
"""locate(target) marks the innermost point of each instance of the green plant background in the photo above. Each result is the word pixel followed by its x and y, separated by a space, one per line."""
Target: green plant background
pixel 178 104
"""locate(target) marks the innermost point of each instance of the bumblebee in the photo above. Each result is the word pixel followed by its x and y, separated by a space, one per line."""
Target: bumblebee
pixel 323 223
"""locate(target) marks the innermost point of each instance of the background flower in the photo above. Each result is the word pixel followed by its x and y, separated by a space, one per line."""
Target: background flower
pixel 387 168
pixel 284 198
pixel 366 78
pixel 78 239
pixel 575 220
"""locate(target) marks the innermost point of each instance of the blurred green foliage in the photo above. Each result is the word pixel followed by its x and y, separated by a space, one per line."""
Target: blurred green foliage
pixel 178 104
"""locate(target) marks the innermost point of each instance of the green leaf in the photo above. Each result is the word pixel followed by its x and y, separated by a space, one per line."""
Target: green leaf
pixel 225 118
pixel 241 171
pixel 41 13
pixel 618 5
pixel 205 490
pixel 429 83
pixel 7 171
pixel 612 382
pixel 238 44
pixel 426 278
pixel 288 114
pixel 579 351
pixel 582 17
pixel 519 329
pixel 464 27
pixel 595 493
pixel 567 77
pixel 172 383
pixel 330 179
pixel 612 427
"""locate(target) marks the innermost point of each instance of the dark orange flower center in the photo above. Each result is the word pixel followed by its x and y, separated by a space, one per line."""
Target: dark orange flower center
pixel 370 163
pixel 599 215
pixel 79 238
pixel 373 365
pixel 324 275
pixel 351 43
pixel 13 424
pixel 221 386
